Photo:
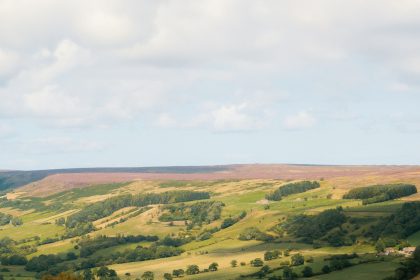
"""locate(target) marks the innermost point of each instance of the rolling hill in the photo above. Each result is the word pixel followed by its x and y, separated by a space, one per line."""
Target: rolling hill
pixel 163 220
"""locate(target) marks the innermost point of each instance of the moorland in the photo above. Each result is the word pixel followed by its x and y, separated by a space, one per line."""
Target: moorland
pixel 216 222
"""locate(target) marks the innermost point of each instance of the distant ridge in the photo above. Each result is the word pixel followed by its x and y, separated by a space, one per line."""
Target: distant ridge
pixel 17 178
pixel 56 179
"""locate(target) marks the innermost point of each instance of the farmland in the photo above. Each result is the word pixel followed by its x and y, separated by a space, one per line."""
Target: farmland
pixel 168 222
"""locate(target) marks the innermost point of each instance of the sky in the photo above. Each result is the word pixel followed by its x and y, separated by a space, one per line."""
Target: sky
pixel 202 82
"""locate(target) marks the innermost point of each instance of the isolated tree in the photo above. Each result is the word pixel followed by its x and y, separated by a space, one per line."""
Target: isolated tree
pixel 297 259
pixel 16 221
pixel 214 266
pixel 326 269
pixel 234 263
pixel 307 271
pixel 148 275
pixel 60 221
pixel 167 276
pixel 192 269
pixel 257 262
pixel 178 272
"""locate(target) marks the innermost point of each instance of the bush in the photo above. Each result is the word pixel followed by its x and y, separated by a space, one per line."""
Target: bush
pixel 326 269
pixel 257 262
pixel 213 267
pixel 271 255
pixel 253 233
pixel 307 271
pixel 192 269
pixel 148 275
pixel 178 272
pixel 297 260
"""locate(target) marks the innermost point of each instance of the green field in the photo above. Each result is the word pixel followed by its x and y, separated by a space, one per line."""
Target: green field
pixel 223 244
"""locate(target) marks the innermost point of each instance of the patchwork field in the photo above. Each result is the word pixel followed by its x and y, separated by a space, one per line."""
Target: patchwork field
pixel 163 222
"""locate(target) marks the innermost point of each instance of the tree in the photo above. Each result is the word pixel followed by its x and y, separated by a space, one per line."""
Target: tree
pixel 60 221
pixel 380 246
pixel 16 221
pixel 326 269
pixel 148 275
pixel 297 260
pixel 105 273
pixel 307 271
pixel 214 266
pixel 167 276
pixel 287 273
pixel 227 223
pixel 234 263
pixel 71 256
pixel 263 271
pixel 257 262
pixel 88 275
pixel 271 255
pixel 192 269
pixel 178 272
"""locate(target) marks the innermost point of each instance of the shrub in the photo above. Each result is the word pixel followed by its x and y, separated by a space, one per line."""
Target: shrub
pixel 257 262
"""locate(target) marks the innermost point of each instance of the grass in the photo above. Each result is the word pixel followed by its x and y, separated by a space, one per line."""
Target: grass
pixel 223 246
pixel 371 271
pixel 414 239
pixel 16 272
pixel 75 194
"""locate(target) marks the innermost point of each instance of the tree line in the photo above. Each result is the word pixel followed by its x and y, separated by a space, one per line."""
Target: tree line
pixel 292 188
pixel 198 213
pixel 309 228
pixel 6 219
pixel 81 222
pixel 380 193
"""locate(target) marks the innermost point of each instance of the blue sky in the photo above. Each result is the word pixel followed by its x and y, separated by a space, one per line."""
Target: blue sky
pixel 150 83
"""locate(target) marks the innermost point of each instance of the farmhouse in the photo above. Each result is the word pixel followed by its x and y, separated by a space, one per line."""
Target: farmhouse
pixel 390 251
pixel 407 251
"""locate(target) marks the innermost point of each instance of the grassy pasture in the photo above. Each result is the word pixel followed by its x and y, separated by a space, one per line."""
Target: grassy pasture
pixel 223 246
pixel 371 271
pixel 16 272
pixel 414 239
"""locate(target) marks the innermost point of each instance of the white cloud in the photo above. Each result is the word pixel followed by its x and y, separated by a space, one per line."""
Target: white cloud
pixel 95 63
pixel 166 120
pixel 9 61
pixel 301 120
pixel 234 118
pixel 49 101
